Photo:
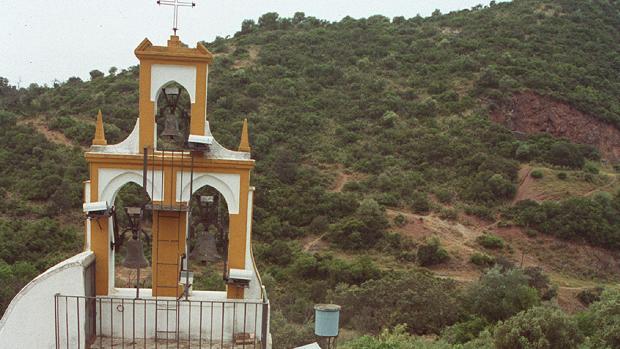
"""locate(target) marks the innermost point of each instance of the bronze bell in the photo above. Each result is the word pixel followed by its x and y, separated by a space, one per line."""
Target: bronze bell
pixel 134 257
pixel 171 126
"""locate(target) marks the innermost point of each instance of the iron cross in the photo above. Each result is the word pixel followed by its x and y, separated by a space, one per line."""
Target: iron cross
pixel 176 4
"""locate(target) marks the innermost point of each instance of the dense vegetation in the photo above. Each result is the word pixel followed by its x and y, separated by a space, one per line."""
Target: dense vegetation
pixel 592 219
pixel 399 104
pixel 543 326
pixel 39 182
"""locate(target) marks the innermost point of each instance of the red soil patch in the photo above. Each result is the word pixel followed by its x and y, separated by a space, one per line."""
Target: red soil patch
pixel 531 113
pixel 568 301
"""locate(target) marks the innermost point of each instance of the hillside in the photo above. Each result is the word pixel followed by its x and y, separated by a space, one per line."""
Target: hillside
pixel 389 153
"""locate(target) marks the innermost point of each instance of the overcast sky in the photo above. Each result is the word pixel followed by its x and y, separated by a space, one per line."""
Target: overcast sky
pixel 43 40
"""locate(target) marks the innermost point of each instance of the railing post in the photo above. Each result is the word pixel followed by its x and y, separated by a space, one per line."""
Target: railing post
pixel 123 303
pixel 56 320
pixel 264 325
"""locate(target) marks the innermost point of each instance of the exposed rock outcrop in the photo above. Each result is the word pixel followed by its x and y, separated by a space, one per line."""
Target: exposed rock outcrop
pixel 531 113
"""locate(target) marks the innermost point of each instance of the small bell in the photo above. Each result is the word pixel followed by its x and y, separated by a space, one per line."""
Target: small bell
pixel 171 127
pixel 134 257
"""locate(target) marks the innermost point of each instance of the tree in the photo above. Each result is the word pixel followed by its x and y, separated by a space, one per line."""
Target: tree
pixel 298 18
pixel 247 26
pixel 269 21
pixel 96 74
pixel 427 303
pixel 285 165
pixel 499 295
pixel 601 322
pixel 543 327
pixel 431 252
pixel 565 154
pixel 489 78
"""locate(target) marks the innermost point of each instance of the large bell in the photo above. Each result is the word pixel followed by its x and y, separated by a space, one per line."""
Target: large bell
pixel 134 257
pixel 171 126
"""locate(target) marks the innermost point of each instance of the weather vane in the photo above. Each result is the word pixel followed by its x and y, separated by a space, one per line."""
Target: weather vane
pixel 176 4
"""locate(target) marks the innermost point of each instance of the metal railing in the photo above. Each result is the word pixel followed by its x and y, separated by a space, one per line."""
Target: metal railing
pixel 110 322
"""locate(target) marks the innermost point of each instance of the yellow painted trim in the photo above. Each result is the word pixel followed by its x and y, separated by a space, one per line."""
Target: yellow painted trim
pixel 175 51
pixel 100 245
pixel 146 108
pixel 137 161
pixel 199 108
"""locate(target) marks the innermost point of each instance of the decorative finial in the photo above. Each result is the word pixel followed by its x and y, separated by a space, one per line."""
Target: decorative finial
pixel 99 132
pixel 244 145
pixel 176 4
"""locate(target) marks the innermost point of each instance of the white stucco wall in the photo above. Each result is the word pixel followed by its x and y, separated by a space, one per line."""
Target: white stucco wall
pixel 162 74
pixel 207 320
pixel 29 321
pixel 131 144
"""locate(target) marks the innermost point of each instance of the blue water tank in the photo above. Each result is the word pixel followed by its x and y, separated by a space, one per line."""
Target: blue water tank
pixel 326 320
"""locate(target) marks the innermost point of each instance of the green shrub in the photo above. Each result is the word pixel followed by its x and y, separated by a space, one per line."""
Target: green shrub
pixel 538 174
pixel 465 331
pixel 210 280
pixel 400 220
pixel 398 338
pixel 490 241
pixel 448 213
pixel 592 219
pixel 590 167
pixel 427 303
pixel 499 295
pixel 420 202
pixel 566 154
pixel 590 295
pixel 541 282
pixel 444 196
pixel 431 252
pixel 482 259
pixel 538 327
pixel 480 212
pixel 562 176
pixel 288 335
pixel 602 320
pixel 363 229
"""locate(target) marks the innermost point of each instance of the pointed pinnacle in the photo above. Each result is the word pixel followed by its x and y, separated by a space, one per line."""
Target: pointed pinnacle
pixel 244 144
pixel 99 131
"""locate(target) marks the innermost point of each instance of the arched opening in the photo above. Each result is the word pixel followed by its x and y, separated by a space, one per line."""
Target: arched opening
pixel 208 239
pixel 132 238
pixel 173 110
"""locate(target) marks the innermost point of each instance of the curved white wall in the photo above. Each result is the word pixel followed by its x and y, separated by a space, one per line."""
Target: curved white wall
pixel 228 184
pixel 29 320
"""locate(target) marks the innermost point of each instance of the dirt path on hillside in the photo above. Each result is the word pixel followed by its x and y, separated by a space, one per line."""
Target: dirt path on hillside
pixel 253 52
pixel 342 179
pixel 314 244
pixel 569 265
pixel 525 189
pixel 40 125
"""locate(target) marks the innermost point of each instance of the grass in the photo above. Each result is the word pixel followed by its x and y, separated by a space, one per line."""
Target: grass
pixel 576 183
